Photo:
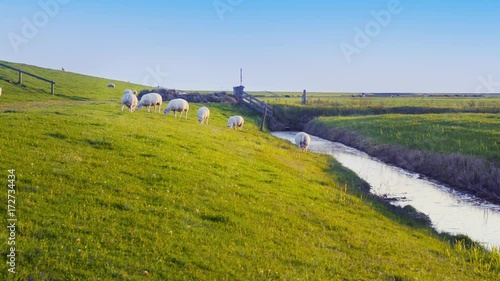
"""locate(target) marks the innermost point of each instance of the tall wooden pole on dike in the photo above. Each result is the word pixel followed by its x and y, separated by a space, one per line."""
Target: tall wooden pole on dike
pixel 263 119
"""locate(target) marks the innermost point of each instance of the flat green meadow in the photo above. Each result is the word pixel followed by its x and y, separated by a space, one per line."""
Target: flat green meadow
pixel 472 134
pixel 345 103
pixel 103 194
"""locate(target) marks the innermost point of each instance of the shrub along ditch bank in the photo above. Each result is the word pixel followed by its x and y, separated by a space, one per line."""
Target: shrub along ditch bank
pixel 469 174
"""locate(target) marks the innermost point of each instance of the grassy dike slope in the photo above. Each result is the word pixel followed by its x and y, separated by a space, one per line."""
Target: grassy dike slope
pixel 110 195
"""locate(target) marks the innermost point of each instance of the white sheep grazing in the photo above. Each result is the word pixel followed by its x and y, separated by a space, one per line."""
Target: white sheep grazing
pixel 129 100
pixel 0 91
pixel 130 91
pixel 177 105
pixel 151 99
pixel 235 122
pixel 203 114
pixel 302 140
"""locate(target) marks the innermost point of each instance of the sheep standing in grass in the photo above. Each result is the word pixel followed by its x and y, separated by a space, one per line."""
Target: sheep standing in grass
pixel 203 115
pixel 129 100
pixel 130 91
pixel 177 105
pixel 151 99
pixel 0 91
pixel 302 140
pixel 235 122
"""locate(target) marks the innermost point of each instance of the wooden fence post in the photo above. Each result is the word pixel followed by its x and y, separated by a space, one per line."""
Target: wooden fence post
pixel 263 119
pixel 304 97
pixel 20 81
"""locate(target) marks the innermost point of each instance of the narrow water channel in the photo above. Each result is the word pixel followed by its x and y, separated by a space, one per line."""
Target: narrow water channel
pixel 449 211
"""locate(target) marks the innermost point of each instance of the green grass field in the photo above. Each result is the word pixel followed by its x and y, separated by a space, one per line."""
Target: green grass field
pixel 466 133
pixel 343 105
pixel 344 102
pixel 108 195
pixel 69 86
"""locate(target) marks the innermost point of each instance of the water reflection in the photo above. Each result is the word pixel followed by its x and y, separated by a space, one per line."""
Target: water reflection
pixel 450 211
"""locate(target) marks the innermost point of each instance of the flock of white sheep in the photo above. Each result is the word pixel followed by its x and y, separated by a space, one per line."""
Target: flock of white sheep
pixel 129 100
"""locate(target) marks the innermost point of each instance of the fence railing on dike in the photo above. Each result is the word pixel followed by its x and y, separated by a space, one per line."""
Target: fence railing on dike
pixel 252 102
pixel 21 72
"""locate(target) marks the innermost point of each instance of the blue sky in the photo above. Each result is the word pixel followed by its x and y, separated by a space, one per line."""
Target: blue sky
pixel 349 46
